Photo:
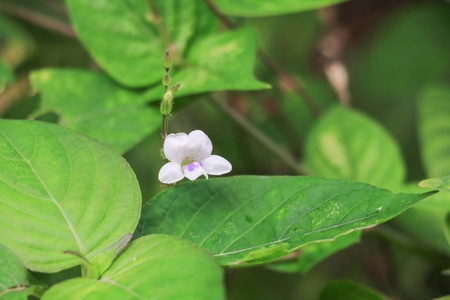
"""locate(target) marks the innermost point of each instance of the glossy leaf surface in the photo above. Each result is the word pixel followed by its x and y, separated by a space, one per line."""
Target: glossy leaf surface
pixel 258 219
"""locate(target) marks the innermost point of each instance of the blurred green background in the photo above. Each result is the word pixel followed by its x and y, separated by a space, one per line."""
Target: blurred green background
pixel 391 50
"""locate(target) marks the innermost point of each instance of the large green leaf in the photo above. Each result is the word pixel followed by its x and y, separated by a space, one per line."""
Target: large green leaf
pixel 61 191
pixel 259 8
pixel 312 254
pixel 152 267
pixel 97 107
pixel 346 144
pixel 257 219
pixel 14 283
pixel 347 290
pixel 434 129
pixel 126 42
pixel 123 37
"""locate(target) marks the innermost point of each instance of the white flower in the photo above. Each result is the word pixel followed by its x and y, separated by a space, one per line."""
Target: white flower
pixel 190 157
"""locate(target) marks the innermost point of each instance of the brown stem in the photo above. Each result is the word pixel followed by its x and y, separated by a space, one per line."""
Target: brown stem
pixel 165 118
pixel 164 128
pixel 290 82
pixel 223 19
pixel 38 19
pixel 283 155
pixel 287 81
pixel 13 93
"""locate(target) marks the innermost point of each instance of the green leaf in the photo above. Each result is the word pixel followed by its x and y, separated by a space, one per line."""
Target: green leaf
pixel 257 219
pixel 346 290
pixel 123 37
pixel 14 283
pixel 442 183
pixel 311 255
pixel 61 191
pixel 97 107
pixel 220 62
pixel 434 130
pixel 259 8
pixel 152 267
pixel 349 145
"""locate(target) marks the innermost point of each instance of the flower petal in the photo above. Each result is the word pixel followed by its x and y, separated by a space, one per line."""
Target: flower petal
pixel 174 147
pixel 216 165
pixel 194 171
pixel 199 146
pixel 170 173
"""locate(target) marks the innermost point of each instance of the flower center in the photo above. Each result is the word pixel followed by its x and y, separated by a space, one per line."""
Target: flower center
pixel 190 164
pixel 187 161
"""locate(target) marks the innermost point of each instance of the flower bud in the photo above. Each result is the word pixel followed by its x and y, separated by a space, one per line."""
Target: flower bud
pixel 174 89
pixel 166 103
pixel 166 80
pixel 167 60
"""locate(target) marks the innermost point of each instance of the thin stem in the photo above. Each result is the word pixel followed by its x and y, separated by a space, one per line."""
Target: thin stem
pixel 284 156
pixel 13 93
pixel 38 19
pixel 164 128
pixel 290 82
pixel 165 118
pixel 223 19
pixel 287 80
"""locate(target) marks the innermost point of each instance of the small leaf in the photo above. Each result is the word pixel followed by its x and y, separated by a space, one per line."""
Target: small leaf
pixel 257 219
pixel 221 62
pixel 260 8
pixel 312 254
pixel 442 183
pixel 97 107
pixel 152 267
pixel 434 130
pixel 346 144
pixel 14 282
pixel 345 290
pixel 61 191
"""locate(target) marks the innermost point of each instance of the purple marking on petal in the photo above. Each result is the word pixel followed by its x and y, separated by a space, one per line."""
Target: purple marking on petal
pixel 192 167
pixel 200 164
